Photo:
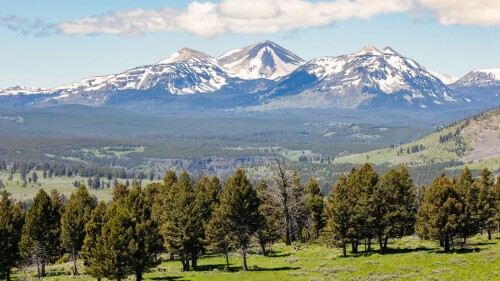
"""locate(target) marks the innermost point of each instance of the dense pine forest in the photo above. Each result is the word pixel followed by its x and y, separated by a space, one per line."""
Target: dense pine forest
pixel 186 221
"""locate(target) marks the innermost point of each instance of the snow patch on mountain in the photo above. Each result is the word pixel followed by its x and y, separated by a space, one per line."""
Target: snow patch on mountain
pixel 262 60
pixel 188 55
pixel 17 90
pixel 446 79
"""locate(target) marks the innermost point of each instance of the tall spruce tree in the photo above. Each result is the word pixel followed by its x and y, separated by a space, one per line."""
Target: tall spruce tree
pixel 438 218
pixel 487 208
pixel 144 243
pixel 396 205
pixel 182 228
pixel 315 204
pixel 469 219
pixel 363 182
pixel 112 255
pixel 40 236
pixel 92 232
pixel 239 209
pixel 11 224
pixel 339 212
pixel 217 238
pixel 77 214
pixel 496 195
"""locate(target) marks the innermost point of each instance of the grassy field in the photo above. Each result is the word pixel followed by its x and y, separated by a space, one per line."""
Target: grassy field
pixel 408 259
pixel 63 184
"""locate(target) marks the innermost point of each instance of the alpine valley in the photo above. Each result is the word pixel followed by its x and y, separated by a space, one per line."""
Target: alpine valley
pixel 267 77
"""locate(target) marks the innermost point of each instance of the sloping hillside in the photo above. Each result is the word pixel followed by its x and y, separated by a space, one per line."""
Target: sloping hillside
pixel 474 142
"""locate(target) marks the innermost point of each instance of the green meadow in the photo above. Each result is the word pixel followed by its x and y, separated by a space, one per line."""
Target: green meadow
pixel 408 259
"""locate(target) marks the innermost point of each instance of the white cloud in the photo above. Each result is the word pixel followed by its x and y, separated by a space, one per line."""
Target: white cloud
pixel 245 9
pixel 463 12
pixel 126 23
pixel 210 19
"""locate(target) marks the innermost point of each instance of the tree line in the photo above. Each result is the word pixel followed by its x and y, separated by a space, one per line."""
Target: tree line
pixel 50 170
pixel 188 219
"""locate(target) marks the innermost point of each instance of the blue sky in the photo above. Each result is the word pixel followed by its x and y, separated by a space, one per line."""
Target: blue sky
pixel 50 43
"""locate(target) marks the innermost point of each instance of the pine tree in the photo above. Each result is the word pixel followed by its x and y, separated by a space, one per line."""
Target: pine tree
pixel 217 239
pixel 119 192
pixel 208 192
pixel 77 214
pixel 395 205
pixel 40 235
pixel 469 220
pixel 363 183
pixel 145 241
pixel 92 232
pixel 111 256
pixel 438 218
pixel 11 224
pixel 496 195
pixel 487 208
pixel 34 177
pixel 339 212
pixel 315 204
pixel 58 208
pixel 182 228
pixel 169 179
pixel 239 208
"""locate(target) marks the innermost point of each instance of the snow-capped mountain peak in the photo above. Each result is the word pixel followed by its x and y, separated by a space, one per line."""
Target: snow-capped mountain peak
pixel 265 59
pixel 15 90
pixel 188 55
pixel 389 51
pixel 481 78
pixel 493 73
pixel 367 76
pixel 368 50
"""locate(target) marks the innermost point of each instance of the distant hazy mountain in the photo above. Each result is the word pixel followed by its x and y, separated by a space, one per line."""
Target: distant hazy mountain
pixel 480 87
pixel 265 76
pixel 262 60
pixel 480 78
pixel 368 77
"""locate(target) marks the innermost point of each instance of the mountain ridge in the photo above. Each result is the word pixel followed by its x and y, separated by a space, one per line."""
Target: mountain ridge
pixel 273 78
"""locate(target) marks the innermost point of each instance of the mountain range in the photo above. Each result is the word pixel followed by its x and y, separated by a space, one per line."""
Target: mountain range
pixel 266 76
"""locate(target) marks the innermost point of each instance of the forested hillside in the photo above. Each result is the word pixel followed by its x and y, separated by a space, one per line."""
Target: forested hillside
pixel 192 221
pixel 474 142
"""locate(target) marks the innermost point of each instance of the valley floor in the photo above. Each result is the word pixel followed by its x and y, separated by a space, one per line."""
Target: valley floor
pixel 408 259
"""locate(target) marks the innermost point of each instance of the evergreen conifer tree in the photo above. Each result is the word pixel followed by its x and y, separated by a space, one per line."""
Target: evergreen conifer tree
pixel 92 232
pixel 438 218
pixel 182 228
pixel 315 204
pixel 239 209
pixel 11 225
pixel 40 236
pixel 339 212
pixel 77 214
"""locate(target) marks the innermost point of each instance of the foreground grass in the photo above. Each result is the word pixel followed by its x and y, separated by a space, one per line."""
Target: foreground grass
pixel 408 259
